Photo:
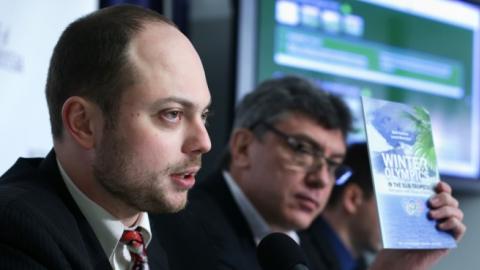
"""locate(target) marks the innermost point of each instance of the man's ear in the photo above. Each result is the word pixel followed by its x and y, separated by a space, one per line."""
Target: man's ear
pixel 239 147
pixel 352 198
pixel 78 116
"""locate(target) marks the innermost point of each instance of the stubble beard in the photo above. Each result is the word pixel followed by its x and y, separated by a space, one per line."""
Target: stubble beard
pixel 115 170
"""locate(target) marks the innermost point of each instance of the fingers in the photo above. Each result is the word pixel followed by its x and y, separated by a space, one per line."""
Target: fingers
pixel 449 219
pixel 443 199
pixel 446 212
pixel 455 226
pixel 443 187
pixel 445 209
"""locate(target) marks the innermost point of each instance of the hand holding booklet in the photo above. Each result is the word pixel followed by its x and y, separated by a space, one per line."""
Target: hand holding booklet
pixel 404 171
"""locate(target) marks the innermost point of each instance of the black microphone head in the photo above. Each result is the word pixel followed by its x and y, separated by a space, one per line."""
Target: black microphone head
pixel 277 251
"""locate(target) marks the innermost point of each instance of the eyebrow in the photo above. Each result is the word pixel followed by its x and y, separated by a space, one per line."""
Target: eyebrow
pixel 182 101
pixel 317 146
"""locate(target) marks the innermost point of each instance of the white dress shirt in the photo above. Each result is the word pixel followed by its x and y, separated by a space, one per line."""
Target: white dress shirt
pixel 257 223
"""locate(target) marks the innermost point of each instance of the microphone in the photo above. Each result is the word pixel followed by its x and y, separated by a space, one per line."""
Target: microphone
pixel 277 251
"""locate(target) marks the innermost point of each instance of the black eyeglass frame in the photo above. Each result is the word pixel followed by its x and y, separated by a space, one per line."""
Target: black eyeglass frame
pixel 342 172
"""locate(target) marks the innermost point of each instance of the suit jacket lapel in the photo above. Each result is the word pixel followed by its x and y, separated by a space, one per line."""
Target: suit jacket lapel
pixel 89 242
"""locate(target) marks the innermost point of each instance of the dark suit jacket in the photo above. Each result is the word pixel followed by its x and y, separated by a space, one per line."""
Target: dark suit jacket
pixel 41 227
pixel 217 236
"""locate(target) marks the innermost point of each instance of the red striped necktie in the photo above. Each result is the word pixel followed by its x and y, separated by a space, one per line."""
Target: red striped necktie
pixel 134 242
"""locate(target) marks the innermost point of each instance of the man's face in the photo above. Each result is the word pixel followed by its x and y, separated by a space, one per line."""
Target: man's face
pixel 289 198
pixel 150 157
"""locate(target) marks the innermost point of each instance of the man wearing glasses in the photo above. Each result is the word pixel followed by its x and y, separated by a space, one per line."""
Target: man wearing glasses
pixel 348 227
pixel 284 157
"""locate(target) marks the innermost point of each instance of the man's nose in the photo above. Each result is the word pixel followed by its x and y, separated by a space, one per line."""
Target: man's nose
pixel 319 176
pixel 198 140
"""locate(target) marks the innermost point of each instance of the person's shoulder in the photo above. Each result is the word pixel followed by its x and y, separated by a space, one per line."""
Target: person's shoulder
pixel 24 205
pixel 23 179
pixel 23 168
pixel 27 192
pixel 38 218
pixel 28 214
pixel 36 229
pixel 20 181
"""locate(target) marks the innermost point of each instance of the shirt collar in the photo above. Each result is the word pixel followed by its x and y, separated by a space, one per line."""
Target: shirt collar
pixel 107 228
pixel 257 223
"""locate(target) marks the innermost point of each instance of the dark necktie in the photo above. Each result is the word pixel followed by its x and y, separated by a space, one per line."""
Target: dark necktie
pixel 134 242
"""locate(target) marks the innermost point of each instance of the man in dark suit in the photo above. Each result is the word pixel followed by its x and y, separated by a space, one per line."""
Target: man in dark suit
pixel 348 228
pixel 284 157
pixel 127 98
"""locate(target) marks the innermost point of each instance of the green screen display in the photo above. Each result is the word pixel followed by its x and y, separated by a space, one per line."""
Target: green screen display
pixel 423 54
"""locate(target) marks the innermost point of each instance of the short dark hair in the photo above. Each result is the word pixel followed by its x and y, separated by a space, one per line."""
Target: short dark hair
pixel 90 60
pixel 276 98
pixel 357 160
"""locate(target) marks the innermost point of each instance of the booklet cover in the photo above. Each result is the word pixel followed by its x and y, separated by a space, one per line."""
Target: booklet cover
pixel 404 171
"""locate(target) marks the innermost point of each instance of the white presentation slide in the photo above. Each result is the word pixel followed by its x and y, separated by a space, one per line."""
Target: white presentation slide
pixel 28 33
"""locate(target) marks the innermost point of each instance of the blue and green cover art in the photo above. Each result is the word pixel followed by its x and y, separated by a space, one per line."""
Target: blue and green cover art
pixel 404 168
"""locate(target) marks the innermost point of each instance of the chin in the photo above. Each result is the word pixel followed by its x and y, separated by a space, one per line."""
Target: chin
pixel 303 225
pixel 166 205
pixel 176 205
pixel 300 223
pixel 305 220
pixel 166 208
pixel 180 206
pixel 178 202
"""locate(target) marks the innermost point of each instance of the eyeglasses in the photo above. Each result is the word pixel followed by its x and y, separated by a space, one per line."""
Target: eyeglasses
pixel 309 157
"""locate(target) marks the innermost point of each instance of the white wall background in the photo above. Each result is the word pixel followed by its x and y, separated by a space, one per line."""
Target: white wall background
pixel 28 33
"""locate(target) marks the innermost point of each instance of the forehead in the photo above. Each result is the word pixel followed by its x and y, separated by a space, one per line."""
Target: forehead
pixel 331 140
pixel 166 64
pixel 159 41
